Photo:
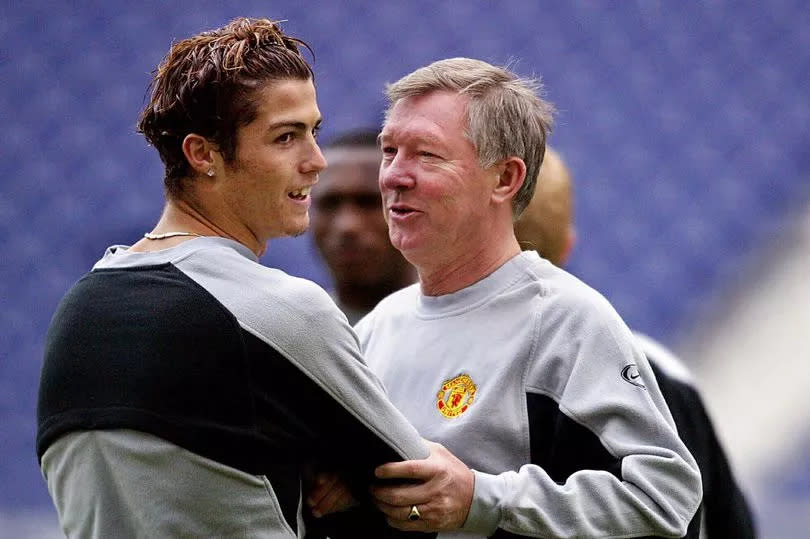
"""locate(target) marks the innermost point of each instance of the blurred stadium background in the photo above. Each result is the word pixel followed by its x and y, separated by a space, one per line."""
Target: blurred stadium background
pixel 686 124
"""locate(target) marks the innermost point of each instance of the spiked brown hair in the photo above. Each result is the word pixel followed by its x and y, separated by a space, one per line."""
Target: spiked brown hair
pixel 206 84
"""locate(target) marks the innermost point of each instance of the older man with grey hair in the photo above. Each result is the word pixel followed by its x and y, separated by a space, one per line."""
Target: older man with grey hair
pixel 550 421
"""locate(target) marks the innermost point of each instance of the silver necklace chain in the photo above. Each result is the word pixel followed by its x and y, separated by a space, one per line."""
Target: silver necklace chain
pixel 150 236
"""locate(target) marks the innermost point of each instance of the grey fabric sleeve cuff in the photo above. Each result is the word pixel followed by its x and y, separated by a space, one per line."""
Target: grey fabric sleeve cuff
pixel 485 510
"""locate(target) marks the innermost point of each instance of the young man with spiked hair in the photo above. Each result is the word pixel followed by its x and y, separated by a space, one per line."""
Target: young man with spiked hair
pixel 186 388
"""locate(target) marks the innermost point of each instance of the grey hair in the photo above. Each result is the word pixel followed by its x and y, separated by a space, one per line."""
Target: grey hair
pixel 506 116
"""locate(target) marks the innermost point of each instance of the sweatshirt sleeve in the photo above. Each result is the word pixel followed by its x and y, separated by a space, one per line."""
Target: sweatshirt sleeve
pixel 593 380
pixel 725 509
pixel 336 399
pixel 325 348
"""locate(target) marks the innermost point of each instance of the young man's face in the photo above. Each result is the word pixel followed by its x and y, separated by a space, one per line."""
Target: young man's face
pixel 436 196
pixel 347 220
pixel 266 187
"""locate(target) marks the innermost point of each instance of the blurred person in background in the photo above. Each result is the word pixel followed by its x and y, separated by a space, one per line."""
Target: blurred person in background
pixel 349 229
pixel 185 387
pixel 527 377
pixel 547 226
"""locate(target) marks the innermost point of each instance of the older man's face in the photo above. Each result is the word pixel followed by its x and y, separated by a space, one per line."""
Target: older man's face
pixel 435 194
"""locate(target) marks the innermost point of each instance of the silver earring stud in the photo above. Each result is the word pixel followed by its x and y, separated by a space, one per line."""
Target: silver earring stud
pixel 211 172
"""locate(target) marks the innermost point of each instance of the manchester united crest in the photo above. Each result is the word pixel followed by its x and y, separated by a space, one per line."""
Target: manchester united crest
pixel 455 396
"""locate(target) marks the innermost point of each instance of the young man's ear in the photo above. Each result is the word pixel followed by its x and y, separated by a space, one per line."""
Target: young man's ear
pixel 511 175
pixel 201 154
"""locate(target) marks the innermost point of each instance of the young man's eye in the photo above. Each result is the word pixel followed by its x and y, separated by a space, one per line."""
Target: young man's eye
pixel 286 137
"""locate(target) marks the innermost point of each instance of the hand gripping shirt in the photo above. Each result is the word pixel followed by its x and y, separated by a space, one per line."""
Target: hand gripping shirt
pixel 184 390
pixel 531 378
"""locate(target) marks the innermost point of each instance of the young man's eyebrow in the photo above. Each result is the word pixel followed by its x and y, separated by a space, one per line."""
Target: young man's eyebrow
pixel 293 124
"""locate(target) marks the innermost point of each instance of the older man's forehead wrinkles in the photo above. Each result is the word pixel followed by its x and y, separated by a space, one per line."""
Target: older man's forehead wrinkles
pixel 410 135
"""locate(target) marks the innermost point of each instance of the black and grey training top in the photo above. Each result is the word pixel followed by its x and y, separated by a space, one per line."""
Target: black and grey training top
pixel 183 391
pixel 531 378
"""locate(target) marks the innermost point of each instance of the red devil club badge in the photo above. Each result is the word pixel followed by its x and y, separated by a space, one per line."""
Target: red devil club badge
pixel 455 396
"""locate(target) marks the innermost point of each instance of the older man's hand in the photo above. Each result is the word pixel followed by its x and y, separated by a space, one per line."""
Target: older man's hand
pixel 441 490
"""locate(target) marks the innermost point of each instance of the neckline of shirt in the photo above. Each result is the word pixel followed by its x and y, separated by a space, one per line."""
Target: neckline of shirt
pixel 478 293
pixel 118 256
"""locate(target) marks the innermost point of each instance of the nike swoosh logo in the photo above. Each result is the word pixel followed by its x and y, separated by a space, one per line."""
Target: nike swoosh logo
pixel 631 375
